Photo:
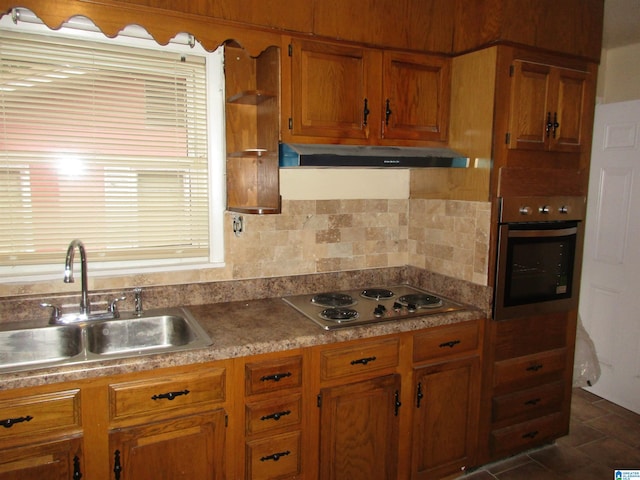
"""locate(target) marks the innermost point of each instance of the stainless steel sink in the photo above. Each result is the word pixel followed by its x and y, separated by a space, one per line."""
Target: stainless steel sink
pixel 162 330
pixel 33 346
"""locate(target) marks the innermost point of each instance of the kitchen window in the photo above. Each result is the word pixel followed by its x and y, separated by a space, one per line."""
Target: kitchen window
pixel 117 142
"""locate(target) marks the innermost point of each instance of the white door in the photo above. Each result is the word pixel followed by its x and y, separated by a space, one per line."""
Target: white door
pixel 610 293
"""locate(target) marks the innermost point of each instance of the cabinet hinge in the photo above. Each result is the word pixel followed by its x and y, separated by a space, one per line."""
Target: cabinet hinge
pixel 290 50
pixel 512 70
pixel 290 123
pixel 507 138
pixel 319 401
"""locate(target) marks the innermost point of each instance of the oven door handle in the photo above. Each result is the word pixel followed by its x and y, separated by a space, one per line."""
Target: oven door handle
pixel 563 232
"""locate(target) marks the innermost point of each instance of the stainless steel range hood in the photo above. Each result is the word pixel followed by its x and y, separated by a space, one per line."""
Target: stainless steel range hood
pixel 303 155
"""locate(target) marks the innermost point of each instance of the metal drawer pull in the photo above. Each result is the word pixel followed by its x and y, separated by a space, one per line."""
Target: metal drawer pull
pixel 450 344
pixel 276 416
pixel 531 434
pixel 170 395
pixel 276 377
pixel 534 368
pixel 363 361
pixel 533 401
pixel 276 456
pixel 10 422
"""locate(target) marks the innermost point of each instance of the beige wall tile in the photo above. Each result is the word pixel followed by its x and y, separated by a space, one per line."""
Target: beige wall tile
pixel 313 236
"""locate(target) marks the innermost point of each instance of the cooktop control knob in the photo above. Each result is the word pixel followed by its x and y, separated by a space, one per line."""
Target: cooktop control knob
pixel 379 311
pixel 563 210
pixel 544 209
pixel 524 210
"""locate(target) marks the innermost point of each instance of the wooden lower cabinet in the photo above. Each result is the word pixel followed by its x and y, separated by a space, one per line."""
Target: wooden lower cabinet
pixel 186 447
pixel 527 383
pixel 55 460
pixel 445 417
pixel 272 440
pixel 359 429
pixel 42 434
pixel 392 407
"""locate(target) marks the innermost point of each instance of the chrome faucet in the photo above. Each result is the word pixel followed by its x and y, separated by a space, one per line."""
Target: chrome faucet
pixel 85 307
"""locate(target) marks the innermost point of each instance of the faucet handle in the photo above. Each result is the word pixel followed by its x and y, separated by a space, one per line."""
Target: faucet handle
pixel 113 306
pixel 55 312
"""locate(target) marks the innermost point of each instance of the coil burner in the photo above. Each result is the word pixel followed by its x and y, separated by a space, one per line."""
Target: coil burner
pixel 339 315
pixel 333 299
pixel 415 301
pixel 377 294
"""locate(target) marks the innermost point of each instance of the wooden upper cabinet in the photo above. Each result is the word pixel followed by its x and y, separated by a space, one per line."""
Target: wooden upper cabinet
pixel 416 93
pixel 423 25
pixel 280 14
pixel 356 95
pixel 331 90
pixel 252 122
pixel 573 27
pixel 549 108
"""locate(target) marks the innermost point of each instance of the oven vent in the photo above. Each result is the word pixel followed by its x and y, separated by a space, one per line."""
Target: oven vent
pixel 303 155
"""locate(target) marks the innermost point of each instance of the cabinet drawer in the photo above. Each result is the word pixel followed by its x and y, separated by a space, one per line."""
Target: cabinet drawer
pixel 530 370
pixel 166 394
pixel 364 357
pixel 274 375
pixel 36 414
pixel 527 434
pixel 274 457
pixel 272 414
pixel 526 336
pixel 532 402
pixel 441 342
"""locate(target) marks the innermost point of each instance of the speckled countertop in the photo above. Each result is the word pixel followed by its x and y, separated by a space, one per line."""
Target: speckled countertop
pixel 247 327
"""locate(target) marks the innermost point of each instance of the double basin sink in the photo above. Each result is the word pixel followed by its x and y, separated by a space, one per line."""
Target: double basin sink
pixel 155 331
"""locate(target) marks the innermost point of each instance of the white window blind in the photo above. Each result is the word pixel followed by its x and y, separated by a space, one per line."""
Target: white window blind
pixel 101 142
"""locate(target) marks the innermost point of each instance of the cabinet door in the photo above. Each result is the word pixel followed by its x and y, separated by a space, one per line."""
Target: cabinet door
pixel 188 447
pixel 359 430
pixel 445 417
pixel 530 96
pixel 570 112
pixel 548 108
pixel 50 461
pixel 416 97
pixel 330 90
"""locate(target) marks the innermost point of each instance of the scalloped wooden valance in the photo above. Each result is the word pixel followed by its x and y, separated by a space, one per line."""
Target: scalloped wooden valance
pixel 112 16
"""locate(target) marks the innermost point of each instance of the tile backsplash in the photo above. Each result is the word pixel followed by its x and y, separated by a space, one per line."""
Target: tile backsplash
pixel 319 236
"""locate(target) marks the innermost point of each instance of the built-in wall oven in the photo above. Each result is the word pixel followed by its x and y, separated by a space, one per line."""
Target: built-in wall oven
pixel 539 255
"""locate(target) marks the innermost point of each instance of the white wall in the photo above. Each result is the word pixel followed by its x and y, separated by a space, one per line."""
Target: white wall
pixel 344 183
pixel 619 74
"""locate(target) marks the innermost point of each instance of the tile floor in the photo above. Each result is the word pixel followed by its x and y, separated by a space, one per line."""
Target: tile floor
pixel 602 437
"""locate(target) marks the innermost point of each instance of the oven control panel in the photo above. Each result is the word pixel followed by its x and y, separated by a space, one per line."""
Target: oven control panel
pixel 541 209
